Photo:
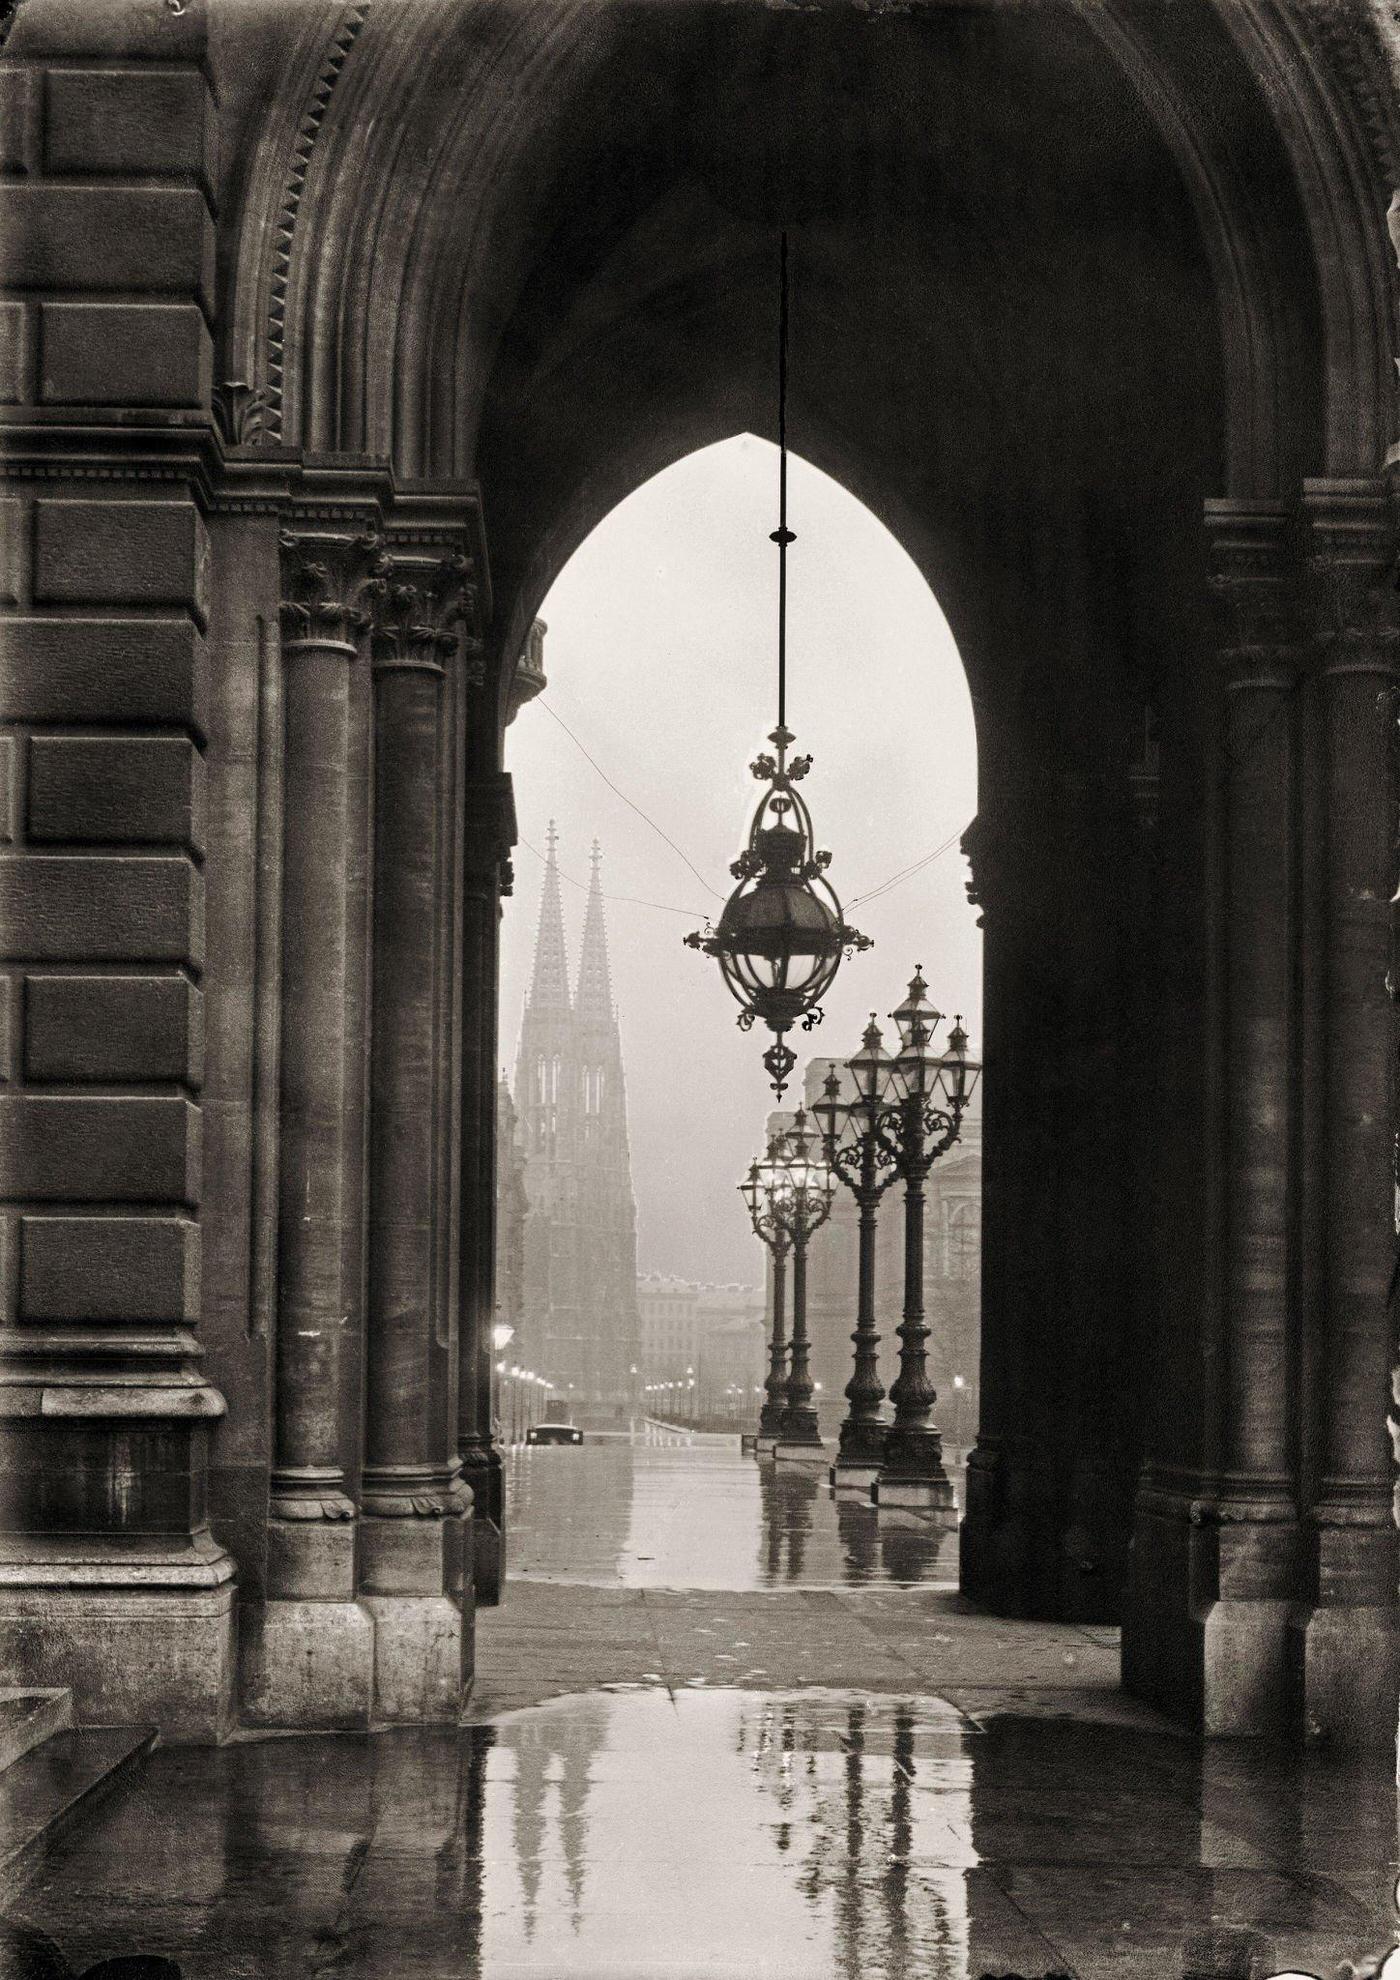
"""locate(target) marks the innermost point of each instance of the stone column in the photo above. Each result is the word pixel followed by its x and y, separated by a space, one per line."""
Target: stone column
pixel 1250 1577
pixel 993 1541
pixel 1349 1640
pixel 413 1502
pixel 311 1657
pixel 488 835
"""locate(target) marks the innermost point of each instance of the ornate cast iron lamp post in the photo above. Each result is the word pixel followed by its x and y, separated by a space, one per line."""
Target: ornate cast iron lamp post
pixel 859 1155
pixel 928 1096
pixel 762 1190
pixel 805 1207
pixel 781 934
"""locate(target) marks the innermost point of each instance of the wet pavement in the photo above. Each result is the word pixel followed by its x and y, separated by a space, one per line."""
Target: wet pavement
pixel 671 1511
pixel 800 1758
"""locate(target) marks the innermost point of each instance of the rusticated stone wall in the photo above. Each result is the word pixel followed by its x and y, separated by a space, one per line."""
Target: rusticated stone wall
pixel 107 264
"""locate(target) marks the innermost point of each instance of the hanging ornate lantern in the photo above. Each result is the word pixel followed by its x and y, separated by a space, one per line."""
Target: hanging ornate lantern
pixel 781 936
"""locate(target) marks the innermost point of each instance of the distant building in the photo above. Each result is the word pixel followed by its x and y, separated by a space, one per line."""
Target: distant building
pixel 669 1323
pixel 512 1207
pixel 578 1303
pixel 952 1279
pixel 711 1334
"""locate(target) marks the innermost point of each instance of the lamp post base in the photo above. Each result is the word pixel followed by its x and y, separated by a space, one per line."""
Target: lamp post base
pixel 932 1496
pixel 766 1442
pixel 816 1454
pixel 854 1477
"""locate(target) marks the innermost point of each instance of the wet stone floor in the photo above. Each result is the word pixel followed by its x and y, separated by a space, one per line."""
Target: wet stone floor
pixel 724 1725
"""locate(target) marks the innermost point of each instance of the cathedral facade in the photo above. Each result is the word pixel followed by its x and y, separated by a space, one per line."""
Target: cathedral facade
pixel 578 1300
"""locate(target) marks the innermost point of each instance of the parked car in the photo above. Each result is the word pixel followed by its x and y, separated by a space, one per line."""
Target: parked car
pixel 554 1433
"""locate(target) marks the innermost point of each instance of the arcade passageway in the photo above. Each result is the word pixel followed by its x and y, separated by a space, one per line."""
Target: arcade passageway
pixel 328 331
pixel 724 1726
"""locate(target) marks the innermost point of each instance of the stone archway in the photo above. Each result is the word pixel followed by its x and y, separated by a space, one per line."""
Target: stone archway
pixel 523 283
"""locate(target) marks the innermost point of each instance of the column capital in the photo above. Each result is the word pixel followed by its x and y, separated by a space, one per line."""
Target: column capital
pixel 1253 582
pixel 1352 555
pixel 438 596
pixel 425 609
pixel 333 573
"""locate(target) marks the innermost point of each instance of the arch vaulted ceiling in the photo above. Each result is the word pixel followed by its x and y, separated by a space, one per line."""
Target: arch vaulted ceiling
pixel 1038 251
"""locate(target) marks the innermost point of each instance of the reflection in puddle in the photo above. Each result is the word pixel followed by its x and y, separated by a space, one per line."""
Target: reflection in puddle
pixel 794 1835
pixel 640 1514
pixel 785 1831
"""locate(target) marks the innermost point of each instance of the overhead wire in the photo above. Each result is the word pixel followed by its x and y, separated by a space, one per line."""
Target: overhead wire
pixel 633 900
pixel 542 703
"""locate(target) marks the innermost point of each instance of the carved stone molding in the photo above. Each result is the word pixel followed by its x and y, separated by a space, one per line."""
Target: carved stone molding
pixel 241 413
pixel 977 848
pixel 308 130
pixel 490 832
pixel 528 679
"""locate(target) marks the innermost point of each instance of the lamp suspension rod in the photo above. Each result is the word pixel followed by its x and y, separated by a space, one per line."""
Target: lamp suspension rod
pixel 782 535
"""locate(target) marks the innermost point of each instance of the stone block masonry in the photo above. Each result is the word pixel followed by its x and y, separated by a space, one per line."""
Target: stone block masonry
pixel 107 273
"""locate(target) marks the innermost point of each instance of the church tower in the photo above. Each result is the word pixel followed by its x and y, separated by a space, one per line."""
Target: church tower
pixel 579 1307
pixel 607 1210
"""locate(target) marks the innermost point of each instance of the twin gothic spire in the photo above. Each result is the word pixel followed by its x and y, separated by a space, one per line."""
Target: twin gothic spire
pixel 549 986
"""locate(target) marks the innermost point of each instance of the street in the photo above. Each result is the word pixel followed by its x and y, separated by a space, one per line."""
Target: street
pixel 723 1725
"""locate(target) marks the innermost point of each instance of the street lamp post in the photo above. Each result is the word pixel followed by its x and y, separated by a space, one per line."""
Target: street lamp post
pixel 804 1208
pixel 502 1335
pixel 761 1191
pixel 856 1152
pixel 928 1095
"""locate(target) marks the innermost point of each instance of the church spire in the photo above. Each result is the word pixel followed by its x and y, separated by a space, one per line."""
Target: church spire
pixel 594 998
pixel 549 986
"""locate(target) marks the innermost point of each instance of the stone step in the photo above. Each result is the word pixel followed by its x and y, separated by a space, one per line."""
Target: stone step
pixel 29 1717
pixel 56 1783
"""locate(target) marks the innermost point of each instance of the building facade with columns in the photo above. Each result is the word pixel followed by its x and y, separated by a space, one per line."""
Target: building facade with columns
pixel 329 332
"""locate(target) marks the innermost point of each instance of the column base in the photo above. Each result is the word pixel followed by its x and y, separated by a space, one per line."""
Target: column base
pixel 1246 1688
pixel 816 1454
pixel 932 1496
pixel 309 1665
pixel 413 1583
pixel 144 1636
pixel 1347 1662
pixel 422 1659
pixel 854 1478
pixel 913 1474
pixel 1212 1610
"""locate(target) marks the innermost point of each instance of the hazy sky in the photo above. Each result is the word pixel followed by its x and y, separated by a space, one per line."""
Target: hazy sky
pixel 661 657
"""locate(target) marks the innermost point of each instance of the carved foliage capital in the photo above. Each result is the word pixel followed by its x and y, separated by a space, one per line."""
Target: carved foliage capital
pixel 422 613
pixel 332 578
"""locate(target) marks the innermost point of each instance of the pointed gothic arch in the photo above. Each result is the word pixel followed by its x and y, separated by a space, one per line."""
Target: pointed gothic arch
pixel 461 281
